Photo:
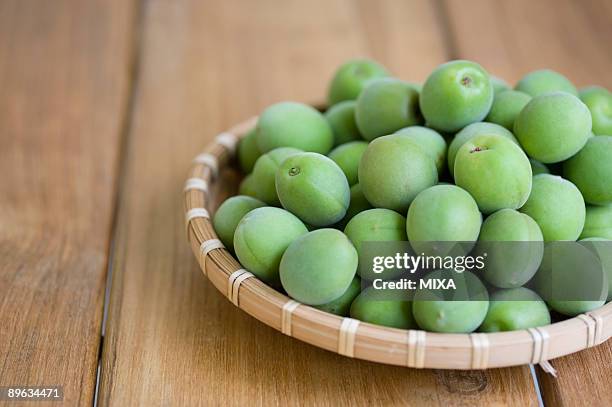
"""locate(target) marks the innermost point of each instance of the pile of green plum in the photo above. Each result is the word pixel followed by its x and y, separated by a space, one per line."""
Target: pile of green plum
pixel 462 157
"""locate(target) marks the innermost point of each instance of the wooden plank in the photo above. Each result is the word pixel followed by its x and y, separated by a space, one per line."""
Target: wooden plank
pixel 510 39
pixel 172 338
pixel 64 80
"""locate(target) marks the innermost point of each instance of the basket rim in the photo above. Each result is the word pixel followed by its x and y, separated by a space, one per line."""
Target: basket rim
pixel 412 348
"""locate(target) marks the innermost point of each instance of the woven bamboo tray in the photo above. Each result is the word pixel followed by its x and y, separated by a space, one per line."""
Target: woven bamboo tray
pixel 352 338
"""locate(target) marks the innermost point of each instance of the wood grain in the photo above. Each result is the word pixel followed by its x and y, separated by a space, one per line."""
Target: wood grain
pixel 64 82
pixel 510 39
pixel 172 338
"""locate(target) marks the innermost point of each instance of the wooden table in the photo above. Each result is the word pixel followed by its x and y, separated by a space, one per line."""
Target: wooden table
pixel 102 105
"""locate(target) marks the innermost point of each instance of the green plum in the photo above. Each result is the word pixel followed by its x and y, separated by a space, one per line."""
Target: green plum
pixel 248 186
pixel 442 213
pixel 514 309
pixel 499 85
pixel 341 118
pixel 557 206
pixel 514 246
pixel 264 172
pixel 506 107
pixel 292 124
pixel 318 267
pixel 248 152
pixel 553 127
pixel 229 214
pixel 313 187
pixel 350 79
pixel 342 305
pixel 375 225
pixel 386 105
pixel 451 311
pixel 591 170
pixel 603 248
pixel 358 204
pixel 599 102
pixel 598 222
pixel 471 131
pixel 347 156
pixel 543 81
pixel 456 94
pixel 386 312
pixel 495 171
pixel 262 256
pixel 538 168
pixel 430 140
pixel 393 170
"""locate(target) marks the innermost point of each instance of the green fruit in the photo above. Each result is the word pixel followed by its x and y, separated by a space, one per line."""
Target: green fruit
pixel 393 170
pixel 442 213
pixel 514 309
pixel 314 188
pixel 248 152
pixel 261 256
pixel 291 124
pixel 386 105
pixel 229 214
pixel 347 156
pixel 451 311
pixel 351 78
pixel 506 107
pixel 430 140
pixel 571 279
pixel 514 246
pixel 471 131
pixel 599 102
pixel 456 94
pixel 495 171
pixel 263 176
pixel 591 170
pixel 603 248
pixel 538 168
pixel 248 186
pixel 358 204
pixel 341 306
pixel 318 267
pixel 499 85
pixel 341 118
pixel 553 127
pixel 386 312
pixel 598 222
pixel 544 81
pixel 375 225
pixel 557 206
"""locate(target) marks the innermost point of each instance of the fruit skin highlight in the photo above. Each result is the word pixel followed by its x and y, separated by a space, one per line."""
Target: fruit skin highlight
pixel 514 309
pixel 599 102
pixel 430 140
pixel 229 214
pixel 318 267
pixel 385 106
pixel 553 127
pixel 456 94
pixel 348 156
pixel 262 256
pixel 341 118
pixel 393 170
pixel 292 124
pixel 314 188
pixel 495 171
pixel 350 79
pixel 557 207
pixel 591 170
pixel 543 81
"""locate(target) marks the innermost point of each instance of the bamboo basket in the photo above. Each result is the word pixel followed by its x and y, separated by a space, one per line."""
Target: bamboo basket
pixel 352 338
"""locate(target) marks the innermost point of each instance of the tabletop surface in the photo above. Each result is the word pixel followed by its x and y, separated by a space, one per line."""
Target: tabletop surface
pixel 103 103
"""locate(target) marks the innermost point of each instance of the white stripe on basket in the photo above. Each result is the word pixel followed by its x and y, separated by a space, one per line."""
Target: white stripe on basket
pixel 416 348
pixel 346 337
pixel 210 161
pixel 196 183
pixel 480 350
pixel 599 328
pixel 287 312
pixel 233 285
pixel 228 140
pixel 196 213
pixel 540 345
pixel 206 247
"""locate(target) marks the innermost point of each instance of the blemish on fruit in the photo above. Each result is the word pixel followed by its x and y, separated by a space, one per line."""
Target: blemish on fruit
pixel 294 171
pixel 477 149
pixel 466 81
